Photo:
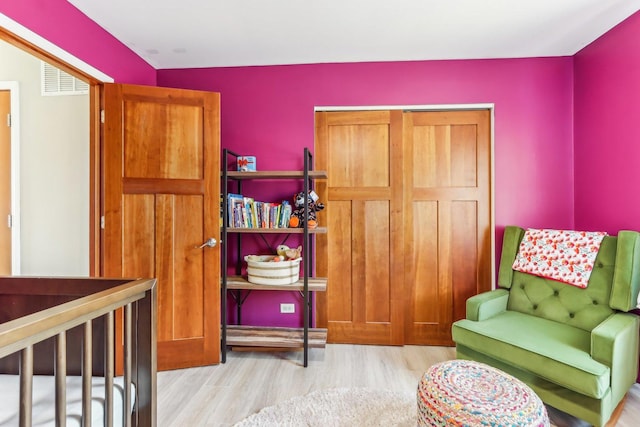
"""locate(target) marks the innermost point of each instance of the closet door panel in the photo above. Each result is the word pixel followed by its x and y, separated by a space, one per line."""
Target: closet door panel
pixel 422 264
pixel 340 300
pixel 364 298
pixel 447 186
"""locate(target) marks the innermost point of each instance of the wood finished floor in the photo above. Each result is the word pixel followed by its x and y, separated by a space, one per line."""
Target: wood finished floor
pixel 224 394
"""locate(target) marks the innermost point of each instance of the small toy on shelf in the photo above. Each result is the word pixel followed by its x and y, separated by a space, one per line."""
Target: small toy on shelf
pixel 246 163
pixel 281 250
pixel 288 253
pixel 313 206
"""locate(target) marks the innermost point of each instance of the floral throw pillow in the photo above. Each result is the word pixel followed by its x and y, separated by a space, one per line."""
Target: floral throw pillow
pixel 565 256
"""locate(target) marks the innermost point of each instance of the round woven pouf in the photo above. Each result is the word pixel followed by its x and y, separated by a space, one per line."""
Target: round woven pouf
pixel 467 393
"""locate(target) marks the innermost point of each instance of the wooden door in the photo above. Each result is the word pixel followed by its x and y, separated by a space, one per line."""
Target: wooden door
pixel 447 219
pixel 5 183
pixel 408 215
pixel 361 151
pixel 161 180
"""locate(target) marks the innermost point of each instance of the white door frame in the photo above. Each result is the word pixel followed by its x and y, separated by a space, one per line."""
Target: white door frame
pixel 15 28
pixel 26 34
pixel 14 91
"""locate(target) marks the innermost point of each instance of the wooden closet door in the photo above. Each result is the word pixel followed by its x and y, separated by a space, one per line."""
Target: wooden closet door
pixel 447 209
pixel 361 152
pixel 409 228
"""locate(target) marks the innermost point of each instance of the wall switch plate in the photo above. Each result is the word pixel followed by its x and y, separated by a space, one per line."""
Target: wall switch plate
pixel 287 308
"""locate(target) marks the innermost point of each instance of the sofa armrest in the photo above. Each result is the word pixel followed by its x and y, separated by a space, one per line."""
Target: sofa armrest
pixel 487 304
pixel 614 343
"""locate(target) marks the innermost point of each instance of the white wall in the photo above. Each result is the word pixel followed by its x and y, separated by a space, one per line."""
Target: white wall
pixel 54 165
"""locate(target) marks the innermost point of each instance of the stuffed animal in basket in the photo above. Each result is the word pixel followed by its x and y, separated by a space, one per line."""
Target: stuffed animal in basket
pixel 300 210
pixel 287 253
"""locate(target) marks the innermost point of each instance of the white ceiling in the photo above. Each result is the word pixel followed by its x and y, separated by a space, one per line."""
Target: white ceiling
pixel 218 33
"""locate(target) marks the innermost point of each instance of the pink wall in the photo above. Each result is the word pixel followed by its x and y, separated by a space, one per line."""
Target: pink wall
pixel 65 26
pixel 607 131
pixel 269 112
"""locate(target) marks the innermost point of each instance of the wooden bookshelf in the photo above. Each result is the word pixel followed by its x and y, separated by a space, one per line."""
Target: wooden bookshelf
pixel 275 175
pixel 259 336
pixel 317 230
pixel 316 284
pixel 239 336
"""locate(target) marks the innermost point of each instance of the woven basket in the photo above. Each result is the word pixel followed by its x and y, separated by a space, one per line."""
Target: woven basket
pixel 261 270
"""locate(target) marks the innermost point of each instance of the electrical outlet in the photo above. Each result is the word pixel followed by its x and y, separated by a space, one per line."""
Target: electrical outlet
pixel 287 308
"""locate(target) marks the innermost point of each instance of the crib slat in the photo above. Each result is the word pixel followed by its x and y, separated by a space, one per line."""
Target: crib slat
pixel 26 386
pixel 87 363
pixel 61 379
pixel 109 369
pixel 128 320
pixel 77 307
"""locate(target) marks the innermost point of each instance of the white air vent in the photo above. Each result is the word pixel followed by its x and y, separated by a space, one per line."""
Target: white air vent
pixel 56 82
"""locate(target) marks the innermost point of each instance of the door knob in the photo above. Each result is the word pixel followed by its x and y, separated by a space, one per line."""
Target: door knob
pixel 211 242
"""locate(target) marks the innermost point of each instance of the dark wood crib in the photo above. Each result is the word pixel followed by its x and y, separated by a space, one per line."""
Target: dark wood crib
pixel 81 327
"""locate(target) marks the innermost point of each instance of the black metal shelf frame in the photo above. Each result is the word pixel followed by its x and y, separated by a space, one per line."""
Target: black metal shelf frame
pixel 230 157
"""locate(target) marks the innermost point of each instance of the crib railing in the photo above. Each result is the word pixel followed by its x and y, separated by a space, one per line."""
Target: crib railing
pixel 37 311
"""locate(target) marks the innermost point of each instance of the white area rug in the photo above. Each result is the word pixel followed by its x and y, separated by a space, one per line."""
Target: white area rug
pixel 338 407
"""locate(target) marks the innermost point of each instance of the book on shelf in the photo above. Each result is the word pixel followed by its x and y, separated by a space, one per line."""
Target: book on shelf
pixel 245 212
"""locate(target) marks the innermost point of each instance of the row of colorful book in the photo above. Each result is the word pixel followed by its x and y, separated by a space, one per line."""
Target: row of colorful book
pixel 245 212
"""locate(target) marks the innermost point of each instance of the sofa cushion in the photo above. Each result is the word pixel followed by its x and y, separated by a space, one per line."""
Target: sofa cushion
pixel 554 351
pixel 551 300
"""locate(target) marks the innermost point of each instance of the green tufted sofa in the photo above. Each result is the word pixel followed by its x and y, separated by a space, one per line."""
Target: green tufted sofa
pixel 576 348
